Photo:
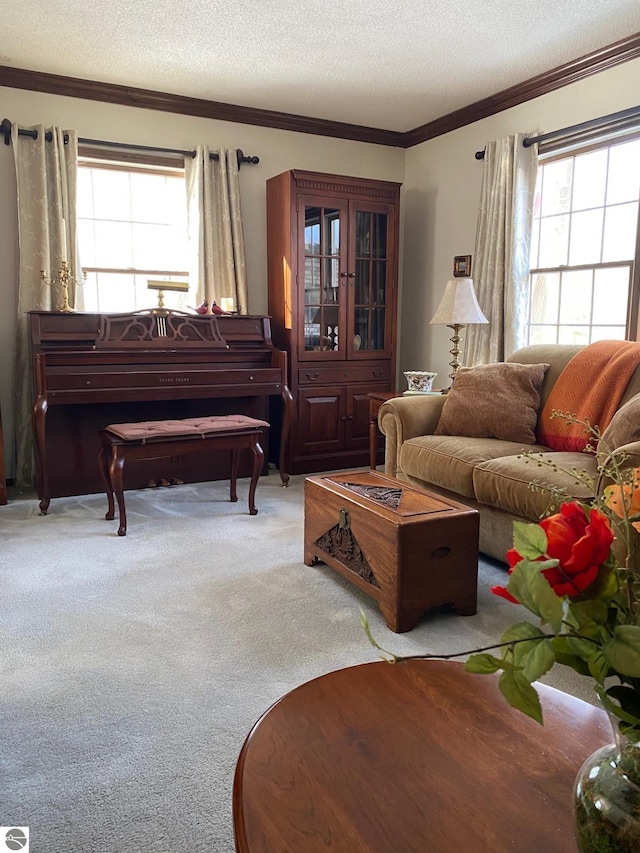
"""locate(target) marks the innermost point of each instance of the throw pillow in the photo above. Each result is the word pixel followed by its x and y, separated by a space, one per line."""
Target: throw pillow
pixel 623 428
pixel 494 401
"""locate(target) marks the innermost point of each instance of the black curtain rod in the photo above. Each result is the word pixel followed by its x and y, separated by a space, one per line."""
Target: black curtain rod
pixel 5 129
pixel 618 118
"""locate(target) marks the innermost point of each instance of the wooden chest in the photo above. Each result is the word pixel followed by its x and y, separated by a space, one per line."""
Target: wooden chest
pixel 409 549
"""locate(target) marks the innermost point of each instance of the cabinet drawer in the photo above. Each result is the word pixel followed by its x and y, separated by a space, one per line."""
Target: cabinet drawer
pixel 346 374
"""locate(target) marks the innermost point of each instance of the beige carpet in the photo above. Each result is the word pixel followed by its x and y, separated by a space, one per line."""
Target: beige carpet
pixel 133 668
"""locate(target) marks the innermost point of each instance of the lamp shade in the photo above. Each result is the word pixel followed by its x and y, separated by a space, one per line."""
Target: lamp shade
pixel 458 305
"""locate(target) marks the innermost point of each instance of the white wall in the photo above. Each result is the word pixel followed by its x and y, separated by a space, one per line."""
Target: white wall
pixel 278 151
pixel 439 197
pixel 442 190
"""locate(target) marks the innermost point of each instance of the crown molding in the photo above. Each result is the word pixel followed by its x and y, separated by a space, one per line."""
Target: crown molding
pixel 73 87
pixel 578 69
pixel 593 63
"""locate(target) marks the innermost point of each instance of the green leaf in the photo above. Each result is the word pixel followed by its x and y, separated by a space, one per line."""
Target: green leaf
pixel 582 648
pixel 618 711
pixel 588 628
pixel 623 650
pixel 567 657
pixel 532 590
pixel 483 664
pixel 535 655
pixel 580 666
pixel 585 612
pixel 629 701
pixel 521 695
pixel 538 660
pixel 529 540
pixel 607 585
pixel 521 631
pixel 598 666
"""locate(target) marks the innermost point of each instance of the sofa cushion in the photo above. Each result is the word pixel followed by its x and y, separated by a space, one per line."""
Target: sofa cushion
pixel 623 429
pixel 449 461
pixel 505 482
pixel 494 401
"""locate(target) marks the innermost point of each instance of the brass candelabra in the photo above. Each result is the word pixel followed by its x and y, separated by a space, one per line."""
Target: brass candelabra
pixel 64 279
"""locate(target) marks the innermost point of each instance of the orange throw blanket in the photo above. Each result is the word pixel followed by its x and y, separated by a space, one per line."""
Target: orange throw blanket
pixel 590 387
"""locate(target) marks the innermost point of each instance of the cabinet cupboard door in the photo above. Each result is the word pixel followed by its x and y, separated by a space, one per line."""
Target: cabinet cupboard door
pixel 322 277
pixel 346 278
pixel 321 419
pixel 371 277
pixel 357 411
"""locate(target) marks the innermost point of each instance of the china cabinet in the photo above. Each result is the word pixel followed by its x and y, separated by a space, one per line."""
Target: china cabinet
pixel 332 247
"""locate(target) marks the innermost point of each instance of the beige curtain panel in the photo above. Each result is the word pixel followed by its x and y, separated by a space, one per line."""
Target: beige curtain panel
pixel 216 234
pixel 47 179
pixel 503 241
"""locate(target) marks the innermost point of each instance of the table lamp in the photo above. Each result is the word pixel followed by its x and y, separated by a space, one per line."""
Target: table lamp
pixel 457 309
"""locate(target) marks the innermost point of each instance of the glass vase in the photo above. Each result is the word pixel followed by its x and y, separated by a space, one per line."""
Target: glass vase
pixel 607 798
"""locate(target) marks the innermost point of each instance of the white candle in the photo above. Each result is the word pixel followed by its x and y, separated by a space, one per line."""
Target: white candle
pixel 226 303
pixel 63 253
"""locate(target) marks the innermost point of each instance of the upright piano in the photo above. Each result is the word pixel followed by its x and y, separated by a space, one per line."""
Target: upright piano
pixel 92 370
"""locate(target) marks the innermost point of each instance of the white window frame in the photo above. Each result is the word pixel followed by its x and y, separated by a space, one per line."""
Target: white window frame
pixel 146 164
pixel 632 332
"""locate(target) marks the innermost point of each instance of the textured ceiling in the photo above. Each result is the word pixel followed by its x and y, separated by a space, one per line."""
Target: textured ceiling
pixel 378 63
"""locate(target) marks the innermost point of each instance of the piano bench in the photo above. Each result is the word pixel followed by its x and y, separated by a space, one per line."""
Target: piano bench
pixel 161 439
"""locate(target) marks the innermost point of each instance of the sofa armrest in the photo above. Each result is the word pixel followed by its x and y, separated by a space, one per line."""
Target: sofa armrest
pixel 406 417
pixel 631 454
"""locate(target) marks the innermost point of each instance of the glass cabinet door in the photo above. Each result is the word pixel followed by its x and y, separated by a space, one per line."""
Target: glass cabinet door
pixel 370 283
pixel 324 308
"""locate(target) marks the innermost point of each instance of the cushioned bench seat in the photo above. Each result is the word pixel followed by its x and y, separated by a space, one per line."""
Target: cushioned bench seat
pixel 159 439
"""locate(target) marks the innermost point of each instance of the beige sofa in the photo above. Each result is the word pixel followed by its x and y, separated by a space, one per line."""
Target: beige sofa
pixel 487 473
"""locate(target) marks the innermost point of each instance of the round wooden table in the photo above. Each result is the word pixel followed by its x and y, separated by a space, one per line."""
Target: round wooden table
pixel 418 756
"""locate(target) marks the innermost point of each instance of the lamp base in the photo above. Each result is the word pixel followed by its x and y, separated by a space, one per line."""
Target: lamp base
pixel 455 350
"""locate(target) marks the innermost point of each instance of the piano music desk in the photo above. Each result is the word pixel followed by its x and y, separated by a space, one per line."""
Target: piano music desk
pixel 159 439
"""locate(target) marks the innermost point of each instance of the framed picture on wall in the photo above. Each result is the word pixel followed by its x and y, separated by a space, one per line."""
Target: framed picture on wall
pixel 462 266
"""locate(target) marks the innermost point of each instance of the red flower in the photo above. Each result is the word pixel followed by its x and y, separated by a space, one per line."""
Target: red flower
pixel 512 558
pixel 503 592
pixel 580 543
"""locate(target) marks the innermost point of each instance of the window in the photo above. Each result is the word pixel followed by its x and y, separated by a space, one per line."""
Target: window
pixel 132 226
pixel 583 248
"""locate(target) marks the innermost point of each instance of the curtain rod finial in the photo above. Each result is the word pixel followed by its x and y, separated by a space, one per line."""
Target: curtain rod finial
pixel 245 158
pixel 6 130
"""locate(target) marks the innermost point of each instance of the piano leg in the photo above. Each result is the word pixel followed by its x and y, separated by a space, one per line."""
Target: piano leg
pixel 38 416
